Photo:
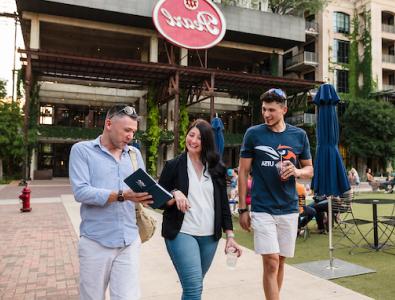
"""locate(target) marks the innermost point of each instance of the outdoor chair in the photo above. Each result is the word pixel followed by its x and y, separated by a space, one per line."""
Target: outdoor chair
pixel 391 217
pixel 347 223
pixel 387 227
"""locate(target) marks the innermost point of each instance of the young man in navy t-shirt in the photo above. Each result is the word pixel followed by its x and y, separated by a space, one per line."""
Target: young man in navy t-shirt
pixel 277 153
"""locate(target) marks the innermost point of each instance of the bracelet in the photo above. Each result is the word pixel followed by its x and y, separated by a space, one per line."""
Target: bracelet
pixel 230 235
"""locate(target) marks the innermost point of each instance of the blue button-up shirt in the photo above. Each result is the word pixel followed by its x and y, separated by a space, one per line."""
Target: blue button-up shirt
pixel 94 174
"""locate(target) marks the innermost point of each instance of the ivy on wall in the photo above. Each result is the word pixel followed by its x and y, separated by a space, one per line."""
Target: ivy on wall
pixel 153 131
pixel 184 120
pixel 34 110
pixel 32 118
pixel 366 64
pixel 354 60
pixel 274 64
pixel 360 67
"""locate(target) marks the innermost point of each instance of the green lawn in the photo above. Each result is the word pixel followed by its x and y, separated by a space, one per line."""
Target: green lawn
pixel 379 285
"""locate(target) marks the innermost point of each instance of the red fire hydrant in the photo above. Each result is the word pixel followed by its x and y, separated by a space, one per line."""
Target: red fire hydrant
pixel 25 197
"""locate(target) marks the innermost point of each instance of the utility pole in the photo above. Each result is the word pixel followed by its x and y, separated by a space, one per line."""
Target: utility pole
pixel 15 17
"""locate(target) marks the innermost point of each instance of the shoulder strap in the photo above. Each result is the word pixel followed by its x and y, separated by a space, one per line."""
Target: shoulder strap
pixel 133 158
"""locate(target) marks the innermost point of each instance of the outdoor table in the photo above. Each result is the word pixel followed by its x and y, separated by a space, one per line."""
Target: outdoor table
pixel 374 202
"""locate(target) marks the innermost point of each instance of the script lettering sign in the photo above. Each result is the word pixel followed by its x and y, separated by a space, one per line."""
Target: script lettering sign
pixel 191 24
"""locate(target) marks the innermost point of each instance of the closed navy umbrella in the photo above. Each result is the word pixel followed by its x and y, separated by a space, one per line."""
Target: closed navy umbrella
pixel 218 127
pixel 330 177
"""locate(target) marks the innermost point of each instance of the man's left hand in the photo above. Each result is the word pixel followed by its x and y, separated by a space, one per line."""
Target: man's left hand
pixel 144 198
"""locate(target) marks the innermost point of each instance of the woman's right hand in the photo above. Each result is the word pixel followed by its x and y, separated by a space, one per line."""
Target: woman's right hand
pixel 181 201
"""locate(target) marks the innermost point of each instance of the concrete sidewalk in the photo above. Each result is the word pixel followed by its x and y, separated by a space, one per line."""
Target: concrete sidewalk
pixel 38 260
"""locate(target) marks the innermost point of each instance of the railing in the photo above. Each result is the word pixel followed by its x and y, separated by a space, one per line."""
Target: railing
pixel 389 58
pixel 388 87
pixel 311 27
pixel 66 132
pixel 261 5
pixel 303 57
pixel 233 139
pixel 388 28
pixel 80 133
pixel 301 119
pixel 309 118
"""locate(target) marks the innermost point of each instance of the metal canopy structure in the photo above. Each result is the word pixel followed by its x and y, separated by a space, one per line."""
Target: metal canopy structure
pixel 200 82
pixel 141 73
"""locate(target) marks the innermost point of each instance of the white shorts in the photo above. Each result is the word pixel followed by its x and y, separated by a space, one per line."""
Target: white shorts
pixel 274 233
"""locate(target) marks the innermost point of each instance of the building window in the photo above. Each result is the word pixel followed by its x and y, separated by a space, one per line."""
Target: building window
pixel 340 51
pixel 391 50
pixel 341 22
pixel 309 76
pixel 341 81
pixel 46 115
pixel 391 79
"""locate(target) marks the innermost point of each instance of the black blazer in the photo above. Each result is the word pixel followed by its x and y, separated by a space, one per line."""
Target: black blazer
pixel 175 176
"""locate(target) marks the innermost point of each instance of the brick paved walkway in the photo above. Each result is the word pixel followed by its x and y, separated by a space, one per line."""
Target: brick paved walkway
pixel 38 257
pixel 38 253
pixel 13 191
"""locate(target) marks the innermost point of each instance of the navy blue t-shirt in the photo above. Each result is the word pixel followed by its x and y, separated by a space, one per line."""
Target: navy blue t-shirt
pixel 267 148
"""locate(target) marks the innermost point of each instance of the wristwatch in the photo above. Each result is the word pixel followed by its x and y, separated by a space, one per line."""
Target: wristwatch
pixel 230 235
pixel 120 198
pixel 242 210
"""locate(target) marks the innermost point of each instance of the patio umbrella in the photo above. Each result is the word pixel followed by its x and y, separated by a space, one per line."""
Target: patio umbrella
pixel 329 172
pixel 218 128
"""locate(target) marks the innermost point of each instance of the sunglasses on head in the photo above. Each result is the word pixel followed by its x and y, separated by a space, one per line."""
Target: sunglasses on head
pixel 278 92
pixel 127 110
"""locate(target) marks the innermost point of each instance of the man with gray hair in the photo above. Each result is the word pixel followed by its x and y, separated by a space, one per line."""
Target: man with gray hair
pixel 109 243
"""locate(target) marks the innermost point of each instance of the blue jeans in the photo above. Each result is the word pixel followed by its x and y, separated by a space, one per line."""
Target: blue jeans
pixel 192 257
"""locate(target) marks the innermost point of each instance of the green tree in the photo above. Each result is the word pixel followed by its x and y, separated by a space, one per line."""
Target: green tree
pixel 368 129
pixel 3 91
pixel 288 7
pixel 296 7
pixel 11 143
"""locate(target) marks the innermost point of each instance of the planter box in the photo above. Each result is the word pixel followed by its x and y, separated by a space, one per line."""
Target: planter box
pixel 43 174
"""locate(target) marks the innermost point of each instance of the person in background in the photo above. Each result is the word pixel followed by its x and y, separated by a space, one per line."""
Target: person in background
pixel 194 220
pixel 320 205
pixel 306 213
pixel 249 188
pixel 233 180
pixel 369 175
pixel 370 179
pixel 353 179
pixel 109 246
pixel 234 193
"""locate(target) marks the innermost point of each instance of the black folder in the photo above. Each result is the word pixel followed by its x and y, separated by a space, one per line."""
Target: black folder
pixel 140 181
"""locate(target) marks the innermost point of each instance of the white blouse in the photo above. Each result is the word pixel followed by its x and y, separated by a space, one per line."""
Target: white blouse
pixel 199 219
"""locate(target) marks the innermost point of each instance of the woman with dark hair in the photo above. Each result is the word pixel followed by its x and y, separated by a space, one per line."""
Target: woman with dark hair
pixel 370 179
pixel 194 219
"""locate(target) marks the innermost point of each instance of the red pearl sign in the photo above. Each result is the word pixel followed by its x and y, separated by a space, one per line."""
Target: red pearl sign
pixel 191 24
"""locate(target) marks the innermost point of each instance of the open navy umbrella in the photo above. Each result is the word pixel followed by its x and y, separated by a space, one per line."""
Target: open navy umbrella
pixel 330 177
pixel 218 128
